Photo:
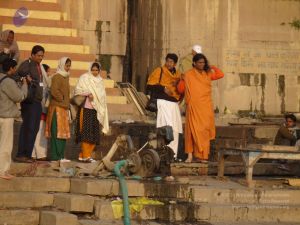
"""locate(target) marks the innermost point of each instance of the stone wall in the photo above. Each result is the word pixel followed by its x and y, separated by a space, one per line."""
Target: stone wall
pixel 251 41
pixel 103 25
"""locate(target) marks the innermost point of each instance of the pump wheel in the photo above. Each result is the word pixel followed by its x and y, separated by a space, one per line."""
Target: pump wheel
pixel 150 161
pixel 135 162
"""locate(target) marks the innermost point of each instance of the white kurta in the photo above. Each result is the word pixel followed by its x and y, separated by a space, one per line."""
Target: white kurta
pixel 168 113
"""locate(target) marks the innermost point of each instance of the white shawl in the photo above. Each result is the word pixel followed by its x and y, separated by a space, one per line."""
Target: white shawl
pixel 89 84
pixel 61 67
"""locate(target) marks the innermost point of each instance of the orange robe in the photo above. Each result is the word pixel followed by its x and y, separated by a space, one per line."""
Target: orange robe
pixel 167 79
pixel 199 124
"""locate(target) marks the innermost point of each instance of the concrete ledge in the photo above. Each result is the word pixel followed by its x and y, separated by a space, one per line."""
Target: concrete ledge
pixel 57 218
pixel 25 199
pixel 174 212
pixel 36 184
pixel 74 203
pixel 247 213
pixel 41 30
pixel 17 217
pixel 245 196
pixel 109 187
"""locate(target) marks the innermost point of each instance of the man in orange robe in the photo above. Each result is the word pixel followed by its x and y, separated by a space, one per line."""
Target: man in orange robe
pixel 199 124
pixel 162 84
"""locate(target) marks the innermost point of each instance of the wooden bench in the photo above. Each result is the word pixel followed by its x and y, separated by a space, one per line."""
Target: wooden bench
pixel 252 153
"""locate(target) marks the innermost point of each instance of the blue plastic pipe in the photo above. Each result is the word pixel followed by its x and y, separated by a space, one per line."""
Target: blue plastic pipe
pixel 124 190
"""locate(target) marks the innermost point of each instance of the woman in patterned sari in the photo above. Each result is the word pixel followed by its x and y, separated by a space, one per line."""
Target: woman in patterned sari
pixel 92 115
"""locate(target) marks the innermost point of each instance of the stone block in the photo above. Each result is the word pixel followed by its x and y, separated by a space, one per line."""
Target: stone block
pixel 25 199
pixel 103 210
pixel 247 213
pixel 173 212
pixel 17 217
pixel 94 187
pixel 245 196
pixel 57 218
pixel 36 184
pixel 74 203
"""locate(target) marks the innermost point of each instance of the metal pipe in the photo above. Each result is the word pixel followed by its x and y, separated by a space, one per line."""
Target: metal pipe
pixel 124 190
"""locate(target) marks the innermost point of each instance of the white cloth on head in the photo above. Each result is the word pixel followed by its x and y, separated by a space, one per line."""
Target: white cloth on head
pixel 90 84
pixel 13 47
pixel 197 49
pixel 61 67
pixel 168 113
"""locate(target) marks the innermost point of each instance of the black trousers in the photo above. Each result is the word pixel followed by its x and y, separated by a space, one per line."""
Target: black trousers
pixel 31 115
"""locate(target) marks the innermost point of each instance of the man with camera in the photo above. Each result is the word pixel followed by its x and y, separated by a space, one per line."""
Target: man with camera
pixel 31 107
pixel 10 94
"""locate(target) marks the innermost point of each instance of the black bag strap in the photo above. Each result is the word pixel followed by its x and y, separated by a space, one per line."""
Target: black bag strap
pixel 161 72
pixel 3 78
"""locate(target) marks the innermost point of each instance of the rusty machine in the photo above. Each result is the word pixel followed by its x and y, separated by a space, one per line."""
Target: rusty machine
pixel 153 158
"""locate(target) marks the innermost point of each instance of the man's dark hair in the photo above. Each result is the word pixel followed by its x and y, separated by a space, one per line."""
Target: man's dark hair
pixel 46 67
pixel 7 64
pixel 290 116
pixel 172 56
pixel 36 49
pixel 199 56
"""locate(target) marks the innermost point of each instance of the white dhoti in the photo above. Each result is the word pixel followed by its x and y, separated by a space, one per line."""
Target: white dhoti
pixel 40 145
pixel 168 113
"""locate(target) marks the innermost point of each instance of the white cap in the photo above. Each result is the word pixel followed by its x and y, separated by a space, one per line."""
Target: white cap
pixel 197 49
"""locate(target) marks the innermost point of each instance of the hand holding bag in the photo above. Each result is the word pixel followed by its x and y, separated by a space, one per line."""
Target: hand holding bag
pixel 152 102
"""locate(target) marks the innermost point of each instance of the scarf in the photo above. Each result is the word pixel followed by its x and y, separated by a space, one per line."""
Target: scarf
pixel 88 83
pixel 61 67
pixel 14 49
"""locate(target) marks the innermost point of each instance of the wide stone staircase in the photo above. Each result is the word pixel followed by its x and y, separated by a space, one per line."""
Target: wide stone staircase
pixel 59 199
pixel 46 24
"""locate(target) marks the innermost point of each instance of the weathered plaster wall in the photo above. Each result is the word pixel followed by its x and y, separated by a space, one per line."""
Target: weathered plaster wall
pixel 246 39
pixel 251 41
pixel 103 25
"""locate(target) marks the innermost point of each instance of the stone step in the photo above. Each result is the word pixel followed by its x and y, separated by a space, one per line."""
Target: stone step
pixel 74 203
pixel 33 13
pixel 116 109
pixel 76 65
pixel 116 222
pixel 121 100
pixel 247 213
pixel 48 39
pixel 25 199
pixel 221 195
pixel 35 184
pixel 110 187
pixel 81 49
pixel 31 5
pixel 39 22
pixel 57 55
pixel 169 212
pixel 40 30
pixel 19 217
pixel 52 1
pixel 57 218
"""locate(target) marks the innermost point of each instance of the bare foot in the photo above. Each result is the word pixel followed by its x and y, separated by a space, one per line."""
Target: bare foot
pixel 9 175
pixel 5 177
pixel 190 158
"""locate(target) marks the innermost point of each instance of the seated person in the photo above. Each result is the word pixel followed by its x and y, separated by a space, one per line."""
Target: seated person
pixel 288 133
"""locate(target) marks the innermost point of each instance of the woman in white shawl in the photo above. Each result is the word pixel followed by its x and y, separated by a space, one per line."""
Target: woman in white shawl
pixel 57 122
pixel 8 46
pixel 92 114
